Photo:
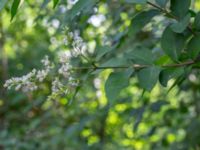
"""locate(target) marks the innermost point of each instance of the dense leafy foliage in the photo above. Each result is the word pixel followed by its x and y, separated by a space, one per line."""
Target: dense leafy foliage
pixel 131 81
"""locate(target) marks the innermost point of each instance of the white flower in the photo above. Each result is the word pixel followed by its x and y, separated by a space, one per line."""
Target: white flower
pixel 18 87
pixel 23 82
pixel 56 86
pixel 72 82
pixel 45 61
pixel 41 74
pixel 29 87
pixel 8 84
pixel 64 57
pixel 65 41
pixel 65 69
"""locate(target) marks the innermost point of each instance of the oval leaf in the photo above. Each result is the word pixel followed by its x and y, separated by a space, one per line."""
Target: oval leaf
pixel 180 26
pixel 115 83
pixel 172 43
pixel 148 77
pixel 180 8
pixel 193 48
pixel 140 20
pixel 170 73
pixel 141 56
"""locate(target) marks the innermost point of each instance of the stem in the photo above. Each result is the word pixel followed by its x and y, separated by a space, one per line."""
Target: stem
pixel 181 64
pixel 169 14
pixel 84 57
pixel 135 66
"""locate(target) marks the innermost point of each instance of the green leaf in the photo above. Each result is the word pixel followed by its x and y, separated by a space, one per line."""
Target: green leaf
pixel 181 78
pixel 55 2
pixel 162 3
pixel 141 55
pixel 140 20
pixel 180 8
pixel 170 73
pixel 180 26
pixel 172 43
pixel 197 21
pixel 165 59
pixel 81 5
pixel 193 47
pixel 115 83
pixel 2 4
pixel 137 1
pixel 14 8
pixel 113 62
pixel 101 51
pixel 148 77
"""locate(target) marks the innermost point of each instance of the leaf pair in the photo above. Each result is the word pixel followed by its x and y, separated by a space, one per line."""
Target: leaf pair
pixel 147 76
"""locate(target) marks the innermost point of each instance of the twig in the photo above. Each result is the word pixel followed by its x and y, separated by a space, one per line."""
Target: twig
pixel 135 66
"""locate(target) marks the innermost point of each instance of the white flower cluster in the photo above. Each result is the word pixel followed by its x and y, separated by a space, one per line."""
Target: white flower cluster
pixel 60 84
pixel 42 74
pixel 79 46
pixel 27 83
pixel 72 82
pixel 66 68
pixel 57 86
pixel 64 59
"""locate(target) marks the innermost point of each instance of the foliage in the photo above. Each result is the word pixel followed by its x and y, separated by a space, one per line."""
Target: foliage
pixel 116 75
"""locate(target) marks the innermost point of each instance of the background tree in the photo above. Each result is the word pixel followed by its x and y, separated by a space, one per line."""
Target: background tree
pixel 119 74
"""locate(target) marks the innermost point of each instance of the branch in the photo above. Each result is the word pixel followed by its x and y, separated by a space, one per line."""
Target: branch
pixel 135 66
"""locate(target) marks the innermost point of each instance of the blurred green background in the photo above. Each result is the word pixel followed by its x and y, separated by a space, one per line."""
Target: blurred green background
pixel 154 121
